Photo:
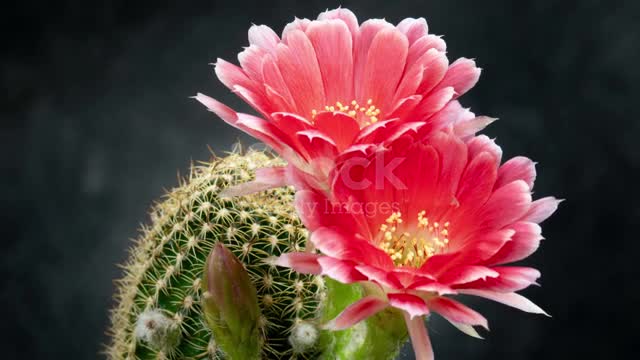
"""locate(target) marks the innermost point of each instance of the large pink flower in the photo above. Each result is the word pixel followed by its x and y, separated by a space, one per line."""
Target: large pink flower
pixel 330 86
pixel 420 222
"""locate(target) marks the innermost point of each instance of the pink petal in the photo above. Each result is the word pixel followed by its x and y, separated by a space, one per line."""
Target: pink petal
pixel 470 127
pixel 342 270
pixel 278 101
pixel 456 312
pixel 341 128
pixel 419 337
pixel 299 67
pixel 423 45
pixel 413 29
pixel 435 64
pixel 517 168
pixel 319 148
pixel 524 242
pixel 263 37
pixel 411 304
pixel 511 278
pixel 411 79
pixel 462 75
pixel 266 178
pixel 368 30
pixel 356 312
pixel 304 262
pixel 250 60
pixel 346 16
pixel 369 133
pixel 227 114
pixel 346 246
pixel 434 103
pixel 290 123
pixel 507 204
pixel 231 75
pixel 404 108
pixel 453 155
pixel 477 182
pixel 383 68
pixel 431 286
pixel 295 25
pixel 273 79
pixel 332 42
pixel 382 277
pixel 510 299
pixel 316 211
pixel 541 209
pixel 482 143
pixel 466 274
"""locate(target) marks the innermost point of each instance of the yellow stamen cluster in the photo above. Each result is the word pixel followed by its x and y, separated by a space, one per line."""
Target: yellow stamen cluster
pixel 370 112
pixel 413 248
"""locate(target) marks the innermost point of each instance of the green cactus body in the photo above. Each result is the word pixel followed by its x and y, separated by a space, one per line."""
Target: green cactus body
pixel 163 274
pixel 159 313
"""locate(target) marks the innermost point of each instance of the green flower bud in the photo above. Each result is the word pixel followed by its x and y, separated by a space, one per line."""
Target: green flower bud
pixel 230 304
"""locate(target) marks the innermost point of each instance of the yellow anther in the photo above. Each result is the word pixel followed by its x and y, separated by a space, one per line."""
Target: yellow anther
pixel 412 244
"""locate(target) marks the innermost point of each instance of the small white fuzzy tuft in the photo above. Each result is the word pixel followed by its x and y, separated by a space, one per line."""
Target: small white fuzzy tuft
pixel 157 330
pixel 304 336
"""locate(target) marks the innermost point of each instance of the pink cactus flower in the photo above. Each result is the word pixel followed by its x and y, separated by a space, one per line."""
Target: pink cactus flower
pixel 331 86
pixel 420 222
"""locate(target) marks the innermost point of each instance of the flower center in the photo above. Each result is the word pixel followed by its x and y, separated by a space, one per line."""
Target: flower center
pixel 364 115
pixel 412 248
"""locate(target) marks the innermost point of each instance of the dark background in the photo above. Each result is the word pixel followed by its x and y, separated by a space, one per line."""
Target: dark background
pixel 97 122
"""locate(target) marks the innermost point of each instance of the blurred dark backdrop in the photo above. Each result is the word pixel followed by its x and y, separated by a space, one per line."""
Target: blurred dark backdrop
pixel 97 122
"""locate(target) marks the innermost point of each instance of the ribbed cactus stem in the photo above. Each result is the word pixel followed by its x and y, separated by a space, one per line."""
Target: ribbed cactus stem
pixel 163 274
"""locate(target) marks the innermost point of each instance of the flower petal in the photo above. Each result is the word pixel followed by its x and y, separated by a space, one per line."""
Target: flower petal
pixel 462 75
pixel 510 279
pixel 343 245
pixel 507 204
pixel 356 312
pixel 346 16
pixel 383 68
pixel 332 42
pixel 342 270
pixel 266 178
pixel 510 299
pixel 382 277
pixel 456 313
pixel 304 262
pixel 299 67
pixel 524 242
pixel 419 337
pixel 368 30
pixel 517 168
pixel 263 37
pixel 340 127
pixel 411 304
pixel 466 274
pixel 423 45
pixel 413 29
pixel 541 209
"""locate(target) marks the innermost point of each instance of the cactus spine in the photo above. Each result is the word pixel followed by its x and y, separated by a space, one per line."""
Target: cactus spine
pixel 159 313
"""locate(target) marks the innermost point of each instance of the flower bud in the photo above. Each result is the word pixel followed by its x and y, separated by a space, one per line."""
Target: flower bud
pixel 230 305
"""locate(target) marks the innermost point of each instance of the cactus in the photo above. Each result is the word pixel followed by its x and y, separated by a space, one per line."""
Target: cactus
pixel 160 291
pixel 159 312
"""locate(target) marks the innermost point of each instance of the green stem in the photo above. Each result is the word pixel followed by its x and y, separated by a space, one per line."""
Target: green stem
pixel 378 338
